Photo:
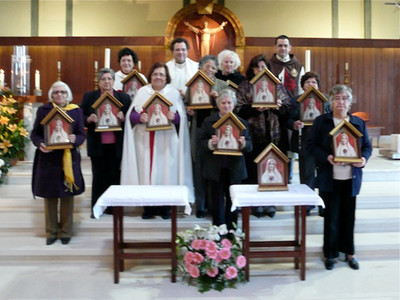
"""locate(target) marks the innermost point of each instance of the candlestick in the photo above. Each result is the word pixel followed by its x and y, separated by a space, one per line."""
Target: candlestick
pixel 59 65
pixel 37 80
pixel 107 58
pixel 96 65
pixel 1 77
pixel 308 60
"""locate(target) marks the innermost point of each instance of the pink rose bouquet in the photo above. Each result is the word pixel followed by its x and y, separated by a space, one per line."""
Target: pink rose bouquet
pixel 212 258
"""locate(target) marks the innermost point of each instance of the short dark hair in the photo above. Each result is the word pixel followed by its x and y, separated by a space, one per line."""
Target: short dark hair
pixel 282 37
pixel 254 63
pixel 309 75
pixel 179 40
pixel 160 65
pixel 126 52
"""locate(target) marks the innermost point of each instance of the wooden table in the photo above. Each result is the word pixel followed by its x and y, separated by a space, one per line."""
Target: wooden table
pixel 120 196
pixel 299 196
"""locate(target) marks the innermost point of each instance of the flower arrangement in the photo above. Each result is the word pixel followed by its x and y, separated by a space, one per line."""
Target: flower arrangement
pixel 211 257
pixel 13 133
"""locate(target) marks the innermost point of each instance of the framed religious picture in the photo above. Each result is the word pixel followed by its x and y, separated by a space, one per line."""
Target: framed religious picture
pixel 272 169
pixel 264 88
pixel 312 104
pixel 228 130
pixel 57 129
pixel 157 108
pixel 233 86
pixel 106 108
pixel 200 87
pixel 346 143
pixel 132 83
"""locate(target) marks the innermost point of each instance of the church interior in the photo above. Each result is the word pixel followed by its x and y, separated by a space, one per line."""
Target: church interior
pixel 355 43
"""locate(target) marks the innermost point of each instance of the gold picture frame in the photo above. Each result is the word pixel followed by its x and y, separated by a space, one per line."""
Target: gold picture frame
pixel 157 108
pixel 312 105
pixel 346 143
pixel 264 88
pixel 106 109
pixel 132 83
pixel 200 88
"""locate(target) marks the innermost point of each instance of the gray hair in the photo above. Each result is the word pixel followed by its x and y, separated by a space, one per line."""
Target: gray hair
pixel 224 53
pixel 341 88
pixel 60 83
pixel 225 93
pixel 105 71
pixel 207 58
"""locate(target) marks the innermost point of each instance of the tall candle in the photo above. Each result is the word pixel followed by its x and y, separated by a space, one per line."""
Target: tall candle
pixel 139 65
pixel 308 60
pixel 59 65
pixel 107 58
pixel 96 65
pixel 346 66
pixel 1 77
pixel 37 80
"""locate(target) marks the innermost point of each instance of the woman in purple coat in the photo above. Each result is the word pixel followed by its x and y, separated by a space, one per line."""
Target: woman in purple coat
pixel 53 169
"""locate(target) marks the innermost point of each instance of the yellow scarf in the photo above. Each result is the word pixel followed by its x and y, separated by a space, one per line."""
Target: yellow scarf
pixel 69 180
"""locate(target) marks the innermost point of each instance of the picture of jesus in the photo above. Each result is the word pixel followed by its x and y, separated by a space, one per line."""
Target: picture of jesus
pixel 107 117
pixel 264 94
pixel 157 117
pixel 200 96
pixel 271 173
pixel 59 135
pixel 311 111
pixel 344 147
pixel 228 140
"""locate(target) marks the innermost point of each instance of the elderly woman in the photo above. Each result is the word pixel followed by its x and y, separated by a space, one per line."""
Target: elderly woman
pixel 298 141
pixel 127 60
pixel 264 126
pixel 104 148
pixel 158 157
pixel 209 65
pixel 57 173
pixel 338 183
pixel 229 62
pixel 222 170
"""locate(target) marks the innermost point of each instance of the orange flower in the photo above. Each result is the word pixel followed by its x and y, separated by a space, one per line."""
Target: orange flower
pixel 24 132
pixel 10 110
pixel 12 127
pixel 4 120
pixel 5 145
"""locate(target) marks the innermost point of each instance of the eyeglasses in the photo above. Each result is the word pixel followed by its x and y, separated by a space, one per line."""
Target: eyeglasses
pixel 344 98
pixel 60 92
pixel 158 75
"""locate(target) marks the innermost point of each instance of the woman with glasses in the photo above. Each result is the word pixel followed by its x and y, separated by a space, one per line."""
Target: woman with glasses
pixel 264 126
pixel 57 173
pixel 158 157
pixel 104 148
pixel 338 183
pixel 209 65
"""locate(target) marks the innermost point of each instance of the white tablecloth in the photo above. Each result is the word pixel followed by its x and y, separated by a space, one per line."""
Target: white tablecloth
pixel 143 195
pixel 244 195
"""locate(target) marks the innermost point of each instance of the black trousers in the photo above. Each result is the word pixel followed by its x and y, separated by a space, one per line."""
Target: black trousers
pixel 339 219
pixel 106 171
pixel 221 201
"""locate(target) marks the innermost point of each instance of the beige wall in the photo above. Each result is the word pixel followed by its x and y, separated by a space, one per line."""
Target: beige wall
pixel 260 18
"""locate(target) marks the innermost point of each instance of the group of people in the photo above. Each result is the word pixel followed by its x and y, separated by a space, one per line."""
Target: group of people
pixel 134 156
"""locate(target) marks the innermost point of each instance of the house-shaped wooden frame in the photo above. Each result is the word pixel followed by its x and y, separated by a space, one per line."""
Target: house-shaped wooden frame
pixel 157 108
pixel 57 138
pixel 272 169
pixel 228 129
pixel 107 107
pixel 200 88
pixel 233 86
pixel 269 96
pixel 310 109
pixel 346 143
pixel 132 83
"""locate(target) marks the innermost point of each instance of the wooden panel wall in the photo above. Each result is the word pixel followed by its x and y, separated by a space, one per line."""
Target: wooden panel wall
pixel 374 65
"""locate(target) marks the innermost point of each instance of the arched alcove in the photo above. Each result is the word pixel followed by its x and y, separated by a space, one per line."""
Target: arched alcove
pixel 232 37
